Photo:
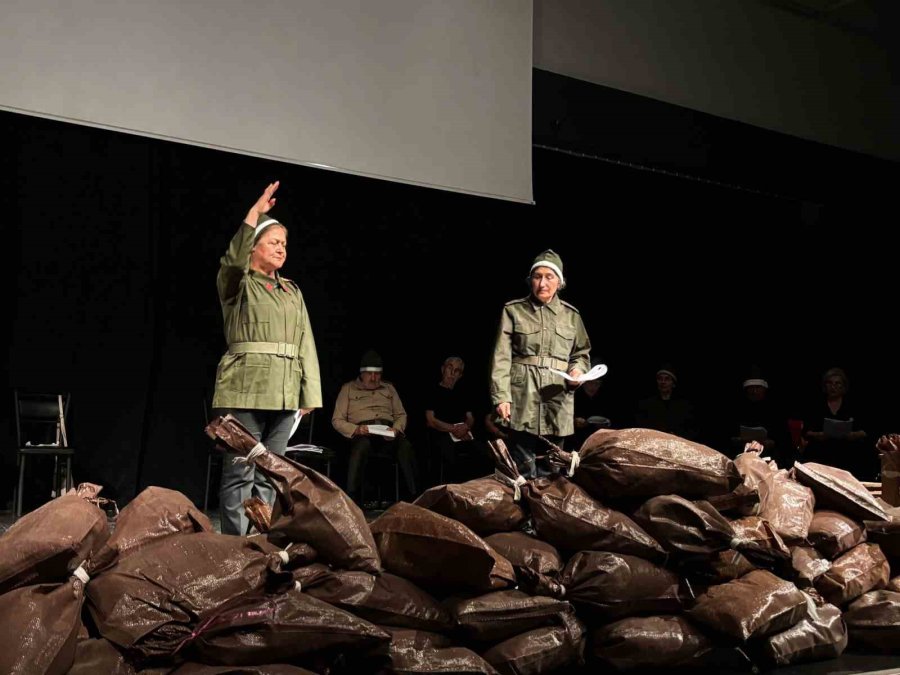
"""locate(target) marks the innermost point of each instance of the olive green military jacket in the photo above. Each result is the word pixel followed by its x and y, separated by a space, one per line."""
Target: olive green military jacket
pixel 356 404
pixel 271 362
pixel 533 338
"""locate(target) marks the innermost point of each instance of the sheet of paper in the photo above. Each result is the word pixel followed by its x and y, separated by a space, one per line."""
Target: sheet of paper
pixel 381 430
pixel 594 373
pixel 297 417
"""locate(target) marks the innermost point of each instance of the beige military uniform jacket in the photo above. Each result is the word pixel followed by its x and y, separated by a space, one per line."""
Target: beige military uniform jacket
pixel 356 405
pixel 533 338
pixel 271 362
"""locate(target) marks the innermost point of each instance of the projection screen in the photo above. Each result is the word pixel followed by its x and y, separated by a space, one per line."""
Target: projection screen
pixel 428 92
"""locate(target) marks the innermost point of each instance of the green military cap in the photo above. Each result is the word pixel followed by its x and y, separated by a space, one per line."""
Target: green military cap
pixel 551 259
pixel 263 223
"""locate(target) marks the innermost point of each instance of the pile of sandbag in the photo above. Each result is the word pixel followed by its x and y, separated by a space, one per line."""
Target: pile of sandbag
pixel 646 551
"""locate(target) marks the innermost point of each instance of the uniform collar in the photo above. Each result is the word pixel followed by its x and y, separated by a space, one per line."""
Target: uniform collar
pixel 555 305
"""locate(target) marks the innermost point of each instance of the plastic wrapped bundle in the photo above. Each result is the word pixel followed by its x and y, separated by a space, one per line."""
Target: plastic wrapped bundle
pixel 754 468
pixel 755 538
pixel 48 544
pixel 501 615
pixel 152 600
pixel 686 529
pixel 650 642
pixel 309 507
pixel 543 650
pixel 887 535
pixel 787 505
pixel 833 533
pixel 894 584
pixel 385 600
pixel 537 563
pixel 808 565
pixel 609 586
pixel 754 606
pixel 40 625
pixel 821 634
pixel 193 668
pixel 647 463
pixel 566 516
pixel 484 505
pixel 860 570
pixel 290 627
pixel 874 621
pixel 154 514
pixel 838 490
pixel 718 568
pixel 422 652
pixel 437 552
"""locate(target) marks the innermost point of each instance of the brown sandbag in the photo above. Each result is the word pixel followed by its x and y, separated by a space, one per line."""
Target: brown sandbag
pixel 94 656
pixel 719 568
pixel 787 505
pixel 289 627
pixel 39 627
pixel 48 544
pixel 753 468
pixel 308 507
pixel 259 513
pixel 894 584
pixel 649 642
pixel 484 505
pixel 685 528
pixel 646 463
pixel 149 602
pixel 437 552
pixel 839 490
pixel 385 600
pixel 543 650
pixel 191 668
pixel 742 501
pixel 154 514
pixel 500 615
pixel 888 447
pixel 833 533
pixel 756 539
pixel 756 605
pixel 860 570
pixel 887 535
pixel 423 652
pixel 566 516
pixel 612 585
pixel 873 620
pixel 819 635
pixel 808 565
pixel 537 563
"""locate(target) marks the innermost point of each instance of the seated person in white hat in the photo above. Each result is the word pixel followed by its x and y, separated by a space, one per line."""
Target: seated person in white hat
pixel 369 401
pixel 665 411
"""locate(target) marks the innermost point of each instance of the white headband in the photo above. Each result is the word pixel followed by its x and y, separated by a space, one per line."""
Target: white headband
pixel 551 265
pixel 756 382
pixel 371 369
pixel 263 225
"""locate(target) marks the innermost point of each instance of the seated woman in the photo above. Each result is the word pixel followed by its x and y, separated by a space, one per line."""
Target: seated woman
pixel 834 431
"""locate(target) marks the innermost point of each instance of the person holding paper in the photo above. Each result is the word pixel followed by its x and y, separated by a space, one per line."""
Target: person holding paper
pixel 449 419
pixel 538 334
pixel 834 433
pixel 369 413
pixel 271 369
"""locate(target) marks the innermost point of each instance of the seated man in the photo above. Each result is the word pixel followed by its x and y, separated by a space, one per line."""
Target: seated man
pixel 450 420
pixel 369 401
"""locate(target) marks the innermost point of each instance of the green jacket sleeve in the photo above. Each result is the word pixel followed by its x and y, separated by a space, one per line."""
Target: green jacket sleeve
pixel 234 264
pixel 581 349
pixel 501 363
pixel 311 383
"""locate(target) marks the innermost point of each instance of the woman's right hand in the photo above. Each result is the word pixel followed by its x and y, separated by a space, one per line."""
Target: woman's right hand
pixel 265 202
pixel 503 410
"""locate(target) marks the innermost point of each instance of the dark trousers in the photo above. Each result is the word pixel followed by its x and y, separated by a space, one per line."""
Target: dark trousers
pixel 242 481
pixel 399 448
pixel 525 449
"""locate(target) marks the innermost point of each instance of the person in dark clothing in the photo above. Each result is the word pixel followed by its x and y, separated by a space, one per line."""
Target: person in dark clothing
pixel 665 411
pixel 449 418
pixel 835 432
pixel 759 419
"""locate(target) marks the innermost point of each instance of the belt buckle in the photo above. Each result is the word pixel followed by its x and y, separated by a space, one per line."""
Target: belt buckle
pixel 282 349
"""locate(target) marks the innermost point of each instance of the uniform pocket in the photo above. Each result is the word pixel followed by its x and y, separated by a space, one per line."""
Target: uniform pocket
pixel 563 340
pixel 526 338
pixel 256 369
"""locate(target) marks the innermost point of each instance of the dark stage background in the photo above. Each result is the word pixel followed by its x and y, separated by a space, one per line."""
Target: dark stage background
pixel 685 238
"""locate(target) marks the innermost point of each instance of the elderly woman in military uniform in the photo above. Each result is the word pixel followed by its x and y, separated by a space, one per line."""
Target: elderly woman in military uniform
pixel 538 334
pixel 270 372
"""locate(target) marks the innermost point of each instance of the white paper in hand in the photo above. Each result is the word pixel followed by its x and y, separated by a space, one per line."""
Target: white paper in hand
pixel 381 430
pixel 594 373
pixel 297 417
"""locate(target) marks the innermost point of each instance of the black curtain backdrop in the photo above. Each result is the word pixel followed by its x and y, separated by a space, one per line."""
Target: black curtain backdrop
pixel 685 238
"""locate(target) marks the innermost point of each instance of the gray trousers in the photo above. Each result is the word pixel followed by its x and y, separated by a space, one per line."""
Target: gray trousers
pixel 525 449
pixel 242 481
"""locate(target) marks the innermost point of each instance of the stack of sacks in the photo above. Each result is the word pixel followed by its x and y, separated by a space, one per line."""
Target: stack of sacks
pixel 652 552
